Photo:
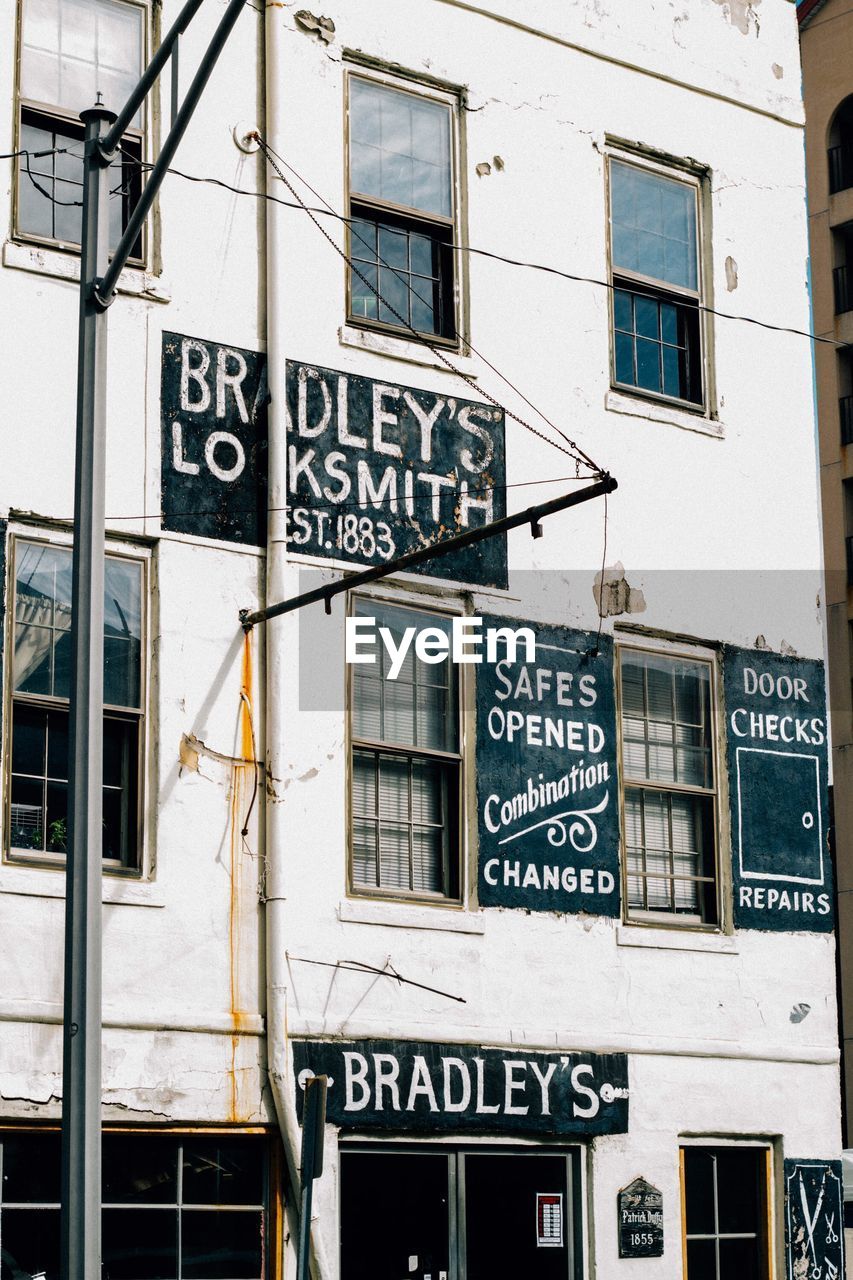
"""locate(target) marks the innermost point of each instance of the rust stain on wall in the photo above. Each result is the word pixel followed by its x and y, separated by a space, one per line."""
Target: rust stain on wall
pixel 242 770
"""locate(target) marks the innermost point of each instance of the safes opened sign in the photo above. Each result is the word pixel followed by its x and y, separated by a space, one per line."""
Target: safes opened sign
pixel 376 469
pixel 547 793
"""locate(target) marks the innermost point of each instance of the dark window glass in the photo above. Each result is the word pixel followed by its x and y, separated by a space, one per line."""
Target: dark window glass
pixel 140 1245
pixel 175 1207
pixel 50 182
pixel 222 1171
pixel 31 1169
pixel 139 1169
pixel 29 1245
pixel 222 1246
pixel 725 1215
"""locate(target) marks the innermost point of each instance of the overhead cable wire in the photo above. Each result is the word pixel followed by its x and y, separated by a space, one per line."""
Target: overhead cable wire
pixel 375 503
pixel 525 264
pixel 573 450
pixel 420 298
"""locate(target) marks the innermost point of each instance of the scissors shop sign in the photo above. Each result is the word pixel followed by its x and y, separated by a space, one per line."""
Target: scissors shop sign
pixel 814 1220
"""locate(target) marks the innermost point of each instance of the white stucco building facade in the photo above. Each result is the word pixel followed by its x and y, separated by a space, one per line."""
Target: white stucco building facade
pixel 602 872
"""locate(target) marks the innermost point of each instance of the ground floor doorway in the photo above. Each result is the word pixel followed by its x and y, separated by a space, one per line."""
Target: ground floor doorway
pixel 478 1213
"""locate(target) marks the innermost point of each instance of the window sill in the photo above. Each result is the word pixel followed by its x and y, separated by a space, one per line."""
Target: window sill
pixel 402 915
pixel 635 407
pixel 42 882
pixel 384 344
pixel 674 939
pixel 66 266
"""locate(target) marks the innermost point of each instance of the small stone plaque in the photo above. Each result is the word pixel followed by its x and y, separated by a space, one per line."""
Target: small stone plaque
pixel 640 1220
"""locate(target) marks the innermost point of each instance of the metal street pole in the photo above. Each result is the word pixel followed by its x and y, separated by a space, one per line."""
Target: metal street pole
pixel 80 1232
pixel 81 1058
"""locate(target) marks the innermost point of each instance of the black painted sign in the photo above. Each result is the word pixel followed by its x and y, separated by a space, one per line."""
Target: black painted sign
pixel 777 760
pixel 814 1220
pixel 547 794
pixel 440 1088
pixel 640 1220
pixel 214 440
pixel 376 470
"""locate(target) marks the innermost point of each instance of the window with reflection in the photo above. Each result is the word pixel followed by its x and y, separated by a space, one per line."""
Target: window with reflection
pixel 669 792
pixel 188 1207
pixel 71 50
pixel 655 274
pixel 405 766
pixel 41 676
pixel 401 209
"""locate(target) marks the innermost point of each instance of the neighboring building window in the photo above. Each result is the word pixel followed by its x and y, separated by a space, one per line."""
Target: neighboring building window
pixel 70 51
pixel 179 1206
pixel 401 201
pixel 41 685
pixel 655 273
pixel 725 1192
pixel 406 768
pixel 668 778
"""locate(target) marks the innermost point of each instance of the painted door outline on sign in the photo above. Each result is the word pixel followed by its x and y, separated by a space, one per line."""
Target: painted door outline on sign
pixel 775 875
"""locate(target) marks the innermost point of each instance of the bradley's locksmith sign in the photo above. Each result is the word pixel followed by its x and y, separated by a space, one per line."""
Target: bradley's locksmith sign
pixel 377 469
pixel 426 1088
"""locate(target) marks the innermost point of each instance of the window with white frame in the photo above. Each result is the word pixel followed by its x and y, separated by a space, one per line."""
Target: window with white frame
pixel 71 50
pixel 725 1222
pixel 669 786
pixel 655 273
pixel 406 767
pixel 37 815
pixel 402 208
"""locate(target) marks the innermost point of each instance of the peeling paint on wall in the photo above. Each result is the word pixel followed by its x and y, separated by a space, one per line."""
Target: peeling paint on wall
pixel 731 274
pixel 617 596
pixel 741 14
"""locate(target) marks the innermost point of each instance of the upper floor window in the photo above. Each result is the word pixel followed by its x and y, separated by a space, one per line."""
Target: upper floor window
pixel 70 51
pixel 656 283
pixel 401 202
pixel 37 818
pixel 669 787
pixel 406 767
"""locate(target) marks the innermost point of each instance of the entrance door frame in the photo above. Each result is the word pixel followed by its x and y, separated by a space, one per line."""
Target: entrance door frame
pixel 457 1149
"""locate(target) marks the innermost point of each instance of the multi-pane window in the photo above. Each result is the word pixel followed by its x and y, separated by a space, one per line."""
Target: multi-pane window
pixel 655 274
pixel 668 781
pixel 406 767
pixel 41 686
pixel 173 1206
pixel 725 1212
pixel 401 206
pixel 72 50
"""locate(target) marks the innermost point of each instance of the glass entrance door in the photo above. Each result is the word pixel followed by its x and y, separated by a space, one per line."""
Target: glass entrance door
pixel 445 1214
pixel 515 1217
